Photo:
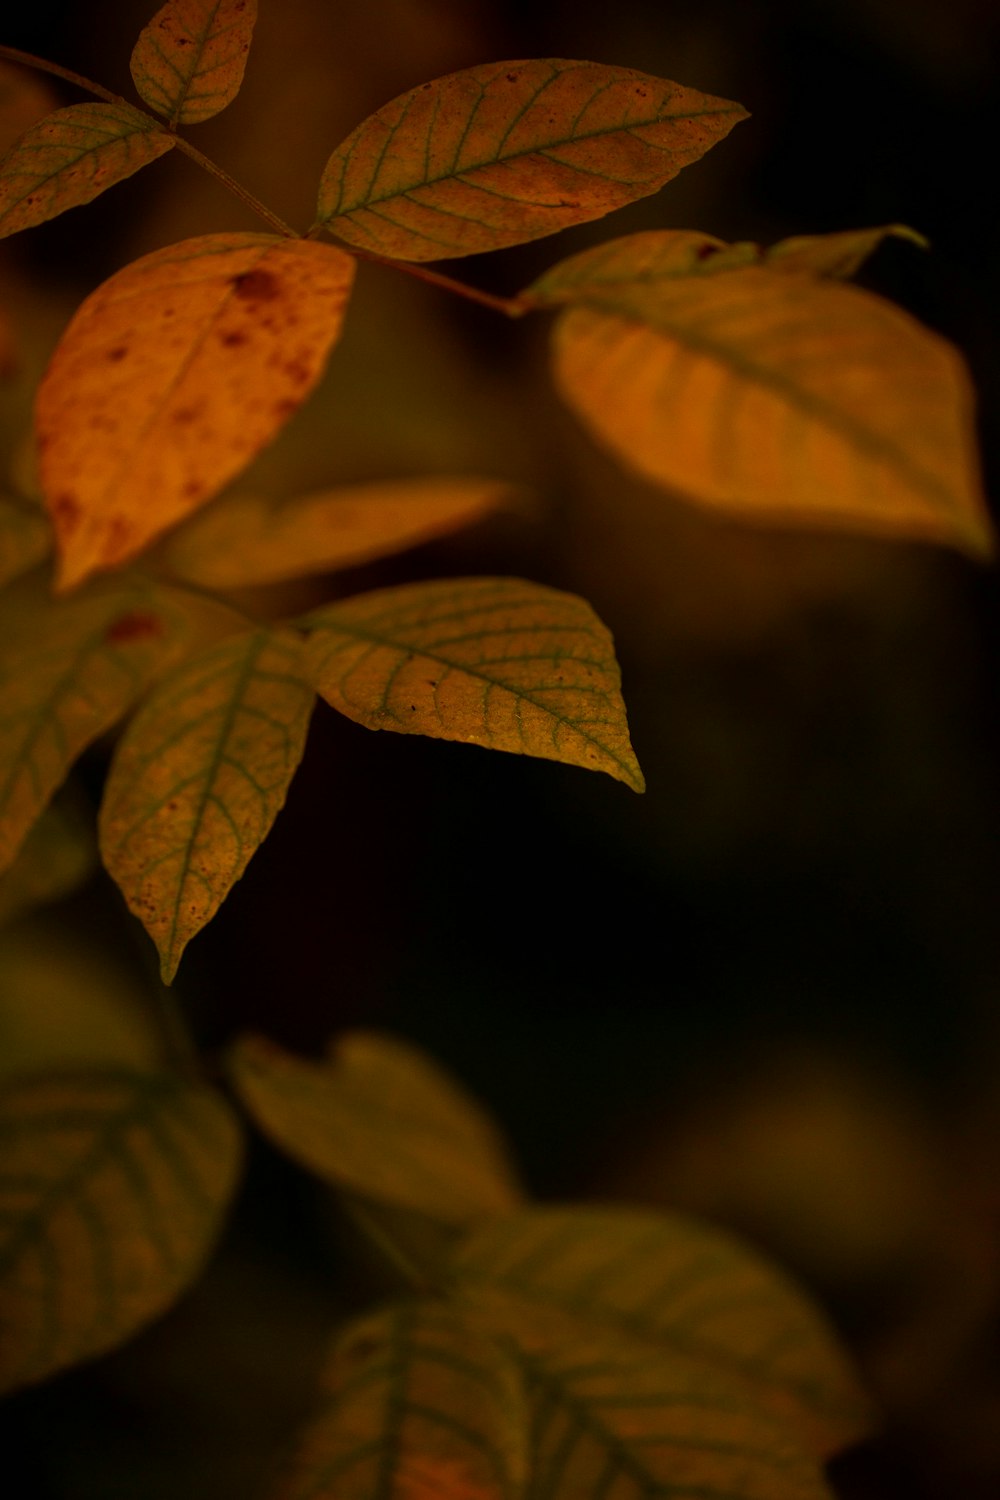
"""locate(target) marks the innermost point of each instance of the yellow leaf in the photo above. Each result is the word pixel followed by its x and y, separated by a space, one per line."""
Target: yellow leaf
pixel 420 1406
pixel 840 254
pixel 189 61
pixel 672 1281
pixel 244 539
pixel 506 152
pixel 70 157
pixel 779 397
pixel 171 376
pixel 497 662
pixel 24 538
pixel 112 1193
pixel 199 777
pixel 69 670
pixel 380 1118
pixel 57 856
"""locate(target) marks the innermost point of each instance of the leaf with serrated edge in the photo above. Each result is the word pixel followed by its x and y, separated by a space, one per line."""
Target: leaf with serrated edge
pixel 615 1416
pixel 506 152
pixel 70 157
pixel 778 398
pixel 380 1118
pixel 245 539
pixel 497 662
pixel 189 61
pixel 199 777
pixel 672 1280
pixel 112 1193
pixel 69 670
pixel 25 538
pixel 419 1406
pixel 171 377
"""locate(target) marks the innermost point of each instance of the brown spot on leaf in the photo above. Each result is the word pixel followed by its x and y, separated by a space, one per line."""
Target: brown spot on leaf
pixel 185 414
pixel 65 512
pixel 233 338
pixel 513 77
pixel 117 353
pixel 135 626
pixel 703 252
pixel 257 286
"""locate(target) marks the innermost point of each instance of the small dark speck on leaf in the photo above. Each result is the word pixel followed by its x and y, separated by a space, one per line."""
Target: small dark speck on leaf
pixel 233 338
pixel 413 708
pixel 66 511
pixel 118 353
pixel 513 77
pixel 257 286
pixel 133 627
pixel 192 488
pixel 705 251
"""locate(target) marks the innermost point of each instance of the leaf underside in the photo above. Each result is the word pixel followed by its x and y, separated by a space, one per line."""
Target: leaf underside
pixel 189 61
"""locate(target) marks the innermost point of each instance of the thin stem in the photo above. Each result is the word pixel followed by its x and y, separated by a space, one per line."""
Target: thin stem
pixel 390 1250
pixel 511 307
pixel 42 64
pixel 236 188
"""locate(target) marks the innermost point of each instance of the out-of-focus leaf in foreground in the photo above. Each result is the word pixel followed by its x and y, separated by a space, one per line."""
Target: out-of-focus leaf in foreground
pixel 497 662
pixel 70 157
pixel 506 152
pixel 381 1119
pixel 57 856
pixel 776 397
pixel 189 61
pixel 171 376
pixel 112 1191
pixel 677 1283
pixel 244 539
pixel 199 777
pixel 69 669
pixel 25 538
pixel 419 1406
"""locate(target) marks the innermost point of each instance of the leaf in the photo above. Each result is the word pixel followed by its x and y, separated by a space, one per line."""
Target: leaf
pixel 380 1118
pixel 489 661
pixel 244 539
pixel 24 538
pixel 70 157
pixel 841 254
pixel 199 777
pixel 189 61
pixel 419 1407
pixel 56 858
pixel 171 376
pixel 612 1416
pixel 672 1281
pixel 112 1191
pixel 69 670
pixel 506 152
pixel 779 398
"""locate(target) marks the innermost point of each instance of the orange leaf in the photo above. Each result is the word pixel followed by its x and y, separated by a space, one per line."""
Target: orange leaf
pixel 506 152
pixel 188 62
pixel 171 376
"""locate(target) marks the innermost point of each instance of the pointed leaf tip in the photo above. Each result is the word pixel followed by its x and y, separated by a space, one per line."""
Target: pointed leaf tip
pixel 189 61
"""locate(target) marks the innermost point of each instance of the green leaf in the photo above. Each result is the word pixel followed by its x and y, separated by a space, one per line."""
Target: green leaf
pixel 497 662
pixel 70 157
pixel 419 1406
pixel 506 152
pixel 25 539
pixel 189 61
pixel 778 398
pixel 58 856
pixel 198 779
pixel 380 1118
pixel 112 1191
pixel 69 670
pixel 671 1281
pixel 614 1417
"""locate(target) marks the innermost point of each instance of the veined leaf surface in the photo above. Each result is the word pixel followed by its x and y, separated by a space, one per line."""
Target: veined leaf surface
pixel 673 1281
pixel 420 1406
pixel 506 152
pixel 244 539
pixel 497 662
pixel 199 777
pixel 25 538
pixel 380 1118
pixel 112 1190
pixel 780 398
pixel 171 376
pixel 69 670
pixel 189 61
pixel 70 157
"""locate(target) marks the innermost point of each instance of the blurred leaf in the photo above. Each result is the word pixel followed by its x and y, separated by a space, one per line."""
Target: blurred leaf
pixel 25 538
pixel 674 1282
pixel 380 1118
pixel 497 662
pixel 506 152
pixel 69 669
pixel 199 777
pixel 779 398
pixel 244 539
pixel 58 856
pixel 70 157
pixel 171 376
pixel 419 1407
pixel 841 254
pixel 189 61
pixel 111 1195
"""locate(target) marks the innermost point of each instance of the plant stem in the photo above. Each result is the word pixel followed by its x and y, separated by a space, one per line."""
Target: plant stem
pixel 234 187
pixel 42 65
pixel 387 1246
pixel 511 307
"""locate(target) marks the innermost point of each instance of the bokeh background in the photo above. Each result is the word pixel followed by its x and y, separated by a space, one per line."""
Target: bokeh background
pixel 766 991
